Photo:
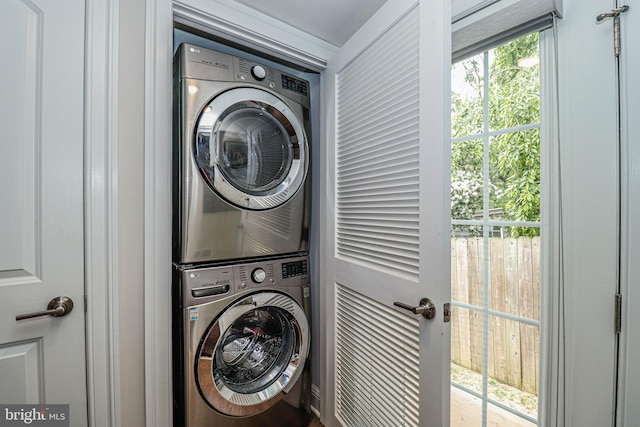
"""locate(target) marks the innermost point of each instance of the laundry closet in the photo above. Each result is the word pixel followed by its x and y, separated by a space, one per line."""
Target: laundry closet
pixel 336 80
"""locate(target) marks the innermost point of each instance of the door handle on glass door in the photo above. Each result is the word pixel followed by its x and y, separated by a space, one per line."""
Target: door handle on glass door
pixel 426 308
pixel 57 307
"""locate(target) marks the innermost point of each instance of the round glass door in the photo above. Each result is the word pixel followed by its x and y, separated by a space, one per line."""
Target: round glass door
pixel 252 354
pixel 251 149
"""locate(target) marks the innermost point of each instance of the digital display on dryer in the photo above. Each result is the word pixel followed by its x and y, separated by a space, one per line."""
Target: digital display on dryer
pixel 296 268
pixel 295 85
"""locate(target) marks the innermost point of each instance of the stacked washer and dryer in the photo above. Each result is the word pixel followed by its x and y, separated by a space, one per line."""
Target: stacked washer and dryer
pixel 241 216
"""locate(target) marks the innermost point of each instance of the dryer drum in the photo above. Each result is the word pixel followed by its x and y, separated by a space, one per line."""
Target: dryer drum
pixel 250 148
pixel 256 152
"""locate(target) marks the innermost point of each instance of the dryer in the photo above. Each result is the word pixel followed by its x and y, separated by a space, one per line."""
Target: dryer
pixel 241 159
pixel 241 346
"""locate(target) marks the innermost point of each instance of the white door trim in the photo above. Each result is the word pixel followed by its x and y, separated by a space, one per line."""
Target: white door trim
pixel 157 207
pixel 101 197
pixel 236 22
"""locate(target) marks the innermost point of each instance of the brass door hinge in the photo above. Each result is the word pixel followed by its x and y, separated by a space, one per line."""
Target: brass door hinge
pixel 615 14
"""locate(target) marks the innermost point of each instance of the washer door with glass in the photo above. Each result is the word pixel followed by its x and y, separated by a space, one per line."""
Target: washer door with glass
pixel 250 148
pixel 252 354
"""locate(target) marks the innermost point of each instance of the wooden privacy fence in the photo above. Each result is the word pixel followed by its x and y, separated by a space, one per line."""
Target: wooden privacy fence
pixel 513 288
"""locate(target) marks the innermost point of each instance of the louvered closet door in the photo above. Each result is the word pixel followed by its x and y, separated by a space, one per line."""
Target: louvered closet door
pixel 390 219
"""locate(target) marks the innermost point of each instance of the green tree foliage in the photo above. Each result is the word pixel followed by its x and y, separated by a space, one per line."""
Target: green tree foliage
pixel 514 158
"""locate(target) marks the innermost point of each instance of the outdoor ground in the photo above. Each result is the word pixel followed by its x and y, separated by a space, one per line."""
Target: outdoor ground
pixel 466 410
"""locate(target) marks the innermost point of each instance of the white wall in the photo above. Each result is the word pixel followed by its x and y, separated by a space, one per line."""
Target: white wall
pixel 629 414
pixel 589 169
pixel 130 221
pixel 589 212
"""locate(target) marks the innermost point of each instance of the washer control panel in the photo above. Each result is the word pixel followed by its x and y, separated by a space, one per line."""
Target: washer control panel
pixel 203 284
pixel 295 268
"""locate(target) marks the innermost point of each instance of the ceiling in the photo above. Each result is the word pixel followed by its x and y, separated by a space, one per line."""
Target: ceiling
pixel 334 21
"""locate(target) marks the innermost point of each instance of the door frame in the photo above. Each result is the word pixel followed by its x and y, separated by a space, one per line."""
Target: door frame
pixel 628 368
pixel 101 231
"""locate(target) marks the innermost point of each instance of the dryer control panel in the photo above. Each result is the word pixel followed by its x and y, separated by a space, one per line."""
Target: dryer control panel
pixel 205 64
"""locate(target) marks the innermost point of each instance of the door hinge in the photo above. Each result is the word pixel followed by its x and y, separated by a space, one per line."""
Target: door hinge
pixel 615 14
pixel 618 314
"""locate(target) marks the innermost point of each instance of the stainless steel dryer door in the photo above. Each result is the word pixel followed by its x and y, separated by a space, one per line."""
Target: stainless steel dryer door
pixel 252 354
pixel 250 148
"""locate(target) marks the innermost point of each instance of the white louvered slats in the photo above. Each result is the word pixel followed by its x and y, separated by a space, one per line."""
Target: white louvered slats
pixel 377 363
pixel 377 137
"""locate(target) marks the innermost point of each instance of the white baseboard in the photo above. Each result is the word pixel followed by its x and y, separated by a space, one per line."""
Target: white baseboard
pixel 315 400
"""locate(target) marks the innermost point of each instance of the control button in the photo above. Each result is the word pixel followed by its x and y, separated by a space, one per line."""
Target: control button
pixel 243 285
pixel 258 275
pixel 258 72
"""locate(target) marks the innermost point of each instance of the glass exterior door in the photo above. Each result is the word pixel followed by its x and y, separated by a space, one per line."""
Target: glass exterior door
pixel 495 241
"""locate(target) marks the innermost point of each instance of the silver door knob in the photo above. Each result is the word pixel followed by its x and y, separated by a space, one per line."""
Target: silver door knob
pixel 426 308
pixel 57 307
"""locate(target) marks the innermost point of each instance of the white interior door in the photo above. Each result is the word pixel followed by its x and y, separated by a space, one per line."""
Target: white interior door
pixel 389 120
pixel 42 360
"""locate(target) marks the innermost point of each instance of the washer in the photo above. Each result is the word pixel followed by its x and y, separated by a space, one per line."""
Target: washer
pixel 241 159
pixel 242 340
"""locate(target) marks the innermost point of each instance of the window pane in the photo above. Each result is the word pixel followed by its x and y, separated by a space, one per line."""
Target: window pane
pixel 467 179
pixel 467 269
pixel 514 86
pixel 466 409
pixel 466 348
pixel 467 97
pixel 515 276
pixel 514 165
pixel 513 364
pixel 499 417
